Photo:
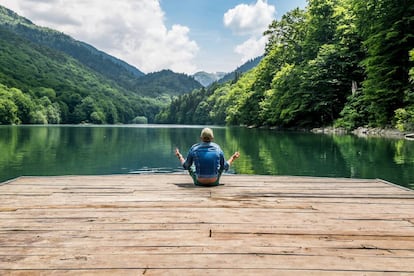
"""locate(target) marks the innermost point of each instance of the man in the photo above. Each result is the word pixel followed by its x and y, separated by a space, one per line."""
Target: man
pixel 208 159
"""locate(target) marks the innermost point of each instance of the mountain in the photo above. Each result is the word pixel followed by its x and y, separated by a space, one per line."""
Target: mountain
pixel 203 106
pixel 112 68
pixel 48 77
pixel 208 78
pixel 99 61
pixel 241 69
pixel 42 85
pixel 166 82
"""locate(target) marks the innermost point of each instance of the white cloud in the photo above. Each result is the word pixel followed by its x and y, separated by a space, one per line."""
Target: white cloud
pixel 163 49
pixel 251 48
pixel 251 21
pixel 133 31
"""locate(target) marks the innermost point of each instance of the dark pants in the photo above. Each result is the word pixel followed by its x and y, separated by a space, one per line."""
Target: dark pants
pixel 193 174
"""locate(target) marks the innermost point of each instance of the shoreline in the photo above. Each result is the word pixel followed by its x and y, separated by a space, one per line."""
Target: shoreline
pixel 359 132
pixel 364 132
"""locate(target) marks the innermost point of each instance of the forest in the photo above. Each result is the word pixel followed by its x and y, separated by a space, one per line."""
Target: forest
pixel 47 77
pixel 342 63
pixel 42 86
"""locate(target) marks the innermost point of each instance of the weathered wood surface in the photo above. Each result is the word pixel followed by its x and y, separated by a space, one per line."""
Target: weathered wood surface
pixel 162 224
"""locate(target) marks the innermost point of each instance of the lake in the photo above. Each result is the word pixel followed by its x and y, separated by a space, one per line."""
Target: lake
pixel 85 150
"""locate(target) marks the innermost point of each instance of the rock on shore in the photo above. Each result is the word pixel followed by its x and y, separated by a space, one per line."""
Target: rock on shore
pixel 362 132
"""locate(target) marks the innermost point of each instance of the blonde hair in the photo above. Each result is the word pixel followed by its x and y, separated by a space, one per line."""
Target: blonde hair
pixel 207 135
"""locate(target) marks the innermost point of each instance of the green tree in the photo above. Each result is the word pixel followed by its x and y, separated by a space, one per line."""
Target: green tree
pixel 201 113
pixel 84 110
pixel 307 88
pixel 387 30
pixel 321 26
pixel 24 105
pixel 412 67
pixel 219 101
pixel 248 104
pixel 45 112
pixel 325 87
pixel 339 61
pixel 8 112
pixel 140 120
pixel 287 35
pixel 277 107
pixel 20 106
pixel 229 105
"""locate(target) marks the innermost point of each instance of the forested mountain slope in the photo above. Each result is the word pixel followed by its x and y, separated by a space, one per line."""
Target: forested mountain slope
pixel 206 79
pixel 86 54
pixel 41 85
pixel 166 82
pixel 342 62
pixel 48 77
pixel 247 66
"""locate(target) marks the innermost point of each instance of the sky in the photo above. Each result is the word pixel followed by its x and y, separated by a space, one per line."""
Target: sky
pixel 185 36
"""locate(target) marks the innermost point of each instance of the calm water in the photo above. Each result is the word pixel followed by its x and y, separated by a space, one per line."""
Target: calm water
pixel 67 150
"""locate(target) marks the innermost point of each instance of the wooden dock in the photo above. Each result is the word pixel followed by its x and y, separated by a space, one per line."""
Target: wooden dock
pixel 163 225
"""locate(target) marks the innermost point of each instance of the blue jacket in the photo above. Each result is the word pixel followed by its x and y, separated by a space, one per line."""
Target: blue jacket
pixel 208 159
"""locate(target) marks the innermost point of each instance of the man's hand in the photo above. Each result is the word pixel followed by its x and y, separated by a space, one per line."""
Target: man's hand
pixel 179 155
pixel 234 157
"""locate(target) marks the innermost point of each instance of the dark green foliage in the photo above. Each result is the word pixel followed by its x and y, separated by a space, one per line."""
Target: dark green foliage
pixel 48 77
pixel 341 62
pixel 166 82
pixel 187 109
pixel 140 120
pixel 387 29
pixel 107 65
pixel 62 90
pixel 320 26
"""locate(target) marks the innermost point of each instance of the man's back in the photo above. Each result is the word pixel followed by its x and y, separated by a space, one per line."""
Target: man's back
pixel 208 159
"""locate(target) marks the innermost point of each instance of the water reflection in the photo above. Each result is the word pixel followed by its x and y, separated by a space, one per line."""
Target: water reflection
pixel 66 150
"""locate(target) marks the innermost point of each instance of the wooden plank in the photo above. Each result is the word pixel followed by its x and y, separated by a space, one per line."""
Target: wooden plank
pixel 217 260
pixel 162 224
pixel 196 241
pixel 179 272
pixel 295 223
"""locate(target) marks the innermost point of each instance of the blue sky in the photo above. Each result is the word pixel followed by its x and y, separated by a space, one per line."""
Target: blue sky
pixel 182 35
pixel 217 42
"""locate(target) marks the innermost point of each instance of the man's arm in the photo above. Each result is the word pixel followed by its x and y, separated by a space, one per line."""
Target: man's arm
pixel 233 157
pixel 179 156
